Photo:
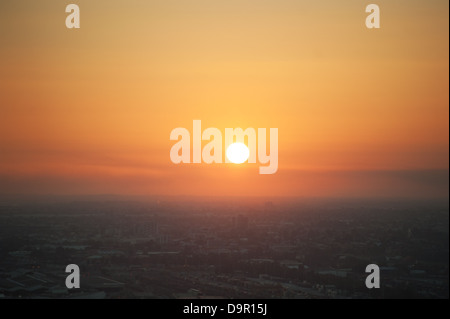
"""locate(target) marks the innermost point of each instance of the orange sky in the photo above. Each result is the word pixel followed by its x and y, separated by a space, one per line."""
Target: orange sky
pixel 360 112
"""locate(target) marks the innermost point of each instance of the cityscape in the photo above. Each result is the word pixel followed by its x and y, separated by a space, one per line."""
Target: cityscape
pixel 224 155
pixel 224 248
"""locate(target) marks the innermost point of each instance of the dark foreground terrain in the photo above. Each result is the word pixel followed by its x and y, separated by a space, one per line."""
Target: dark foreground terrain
pixel 224 248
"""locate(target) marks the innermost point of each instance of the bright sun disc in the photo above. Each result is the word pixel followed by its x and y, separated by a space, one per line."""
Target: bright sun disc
pixel 238 153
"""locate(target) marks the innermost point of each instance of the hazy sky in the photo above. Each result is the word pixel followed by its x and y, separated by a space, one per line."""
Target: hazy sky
pixel 360 112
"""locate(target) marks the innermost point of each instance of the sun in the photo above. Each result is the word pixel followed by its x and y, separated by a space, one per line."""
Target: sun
pixel 238 153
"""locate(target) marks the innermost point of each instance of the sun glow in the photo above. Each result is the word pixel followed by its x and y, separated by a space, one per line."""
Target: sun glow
pixel 238 153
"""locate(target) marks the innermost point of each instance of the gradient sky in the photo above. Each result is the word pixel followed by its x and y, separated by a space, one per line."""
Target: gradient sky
pixel 360 112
